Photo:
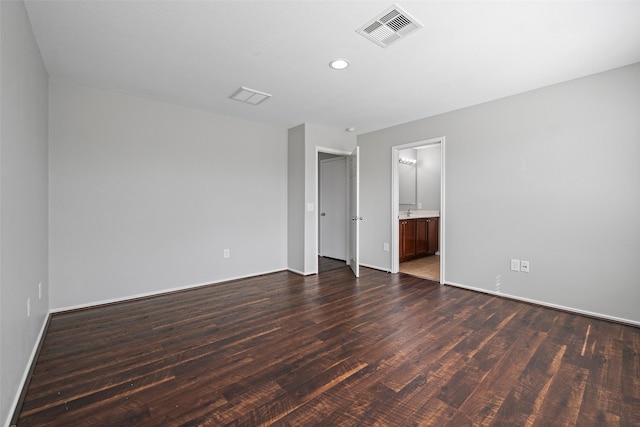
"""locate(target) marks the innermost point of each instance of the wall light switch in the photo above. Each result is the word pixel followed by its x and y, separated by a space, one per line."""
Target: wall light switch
pixel 515 265
pixel 226 253
pixel 310 207
pixel 386 247
pixel 524 266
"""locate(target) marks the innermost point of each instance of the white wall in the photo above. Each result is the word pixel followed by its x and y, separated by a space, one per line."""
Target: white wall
pixel 145 196
pixel 550 176
pixel 295 195
pixel 23 200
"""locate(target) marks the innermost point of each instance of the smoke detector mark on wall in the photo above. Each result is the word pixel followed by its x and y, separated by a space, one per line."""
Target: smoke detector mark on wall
pixel 250 96
pixel 389 26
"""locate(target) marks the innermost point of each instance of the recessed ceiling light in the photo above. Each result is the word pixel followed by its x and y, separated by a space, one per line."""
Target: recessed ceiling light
pixel 339 64
pixel 350 129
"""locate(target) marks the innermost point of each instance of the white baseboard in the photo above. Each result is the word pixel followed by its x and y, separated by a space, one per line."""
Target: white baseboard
pixel 155 293
pixel 25 375
pixel 301 273
pixel 548 304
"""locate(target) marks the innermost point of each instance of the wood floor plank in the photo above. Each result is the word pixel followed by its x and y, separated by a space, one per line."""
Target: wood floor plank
pixel 605 375
pixel 562 403
pixel 330 349
pixel 630 374
pixel 482 404
pixel 522 405
pixel 343 406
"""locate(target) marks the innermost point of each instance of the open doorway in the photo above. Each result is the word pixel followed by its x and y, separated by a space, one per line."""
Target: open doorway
pixel 418 209
pixel 332 210
pixel 337 198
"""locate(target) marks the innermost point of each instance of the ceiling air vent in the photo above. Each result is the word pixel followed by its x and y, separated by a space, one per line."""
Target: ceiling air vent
pixel 390 26
pixel 250 96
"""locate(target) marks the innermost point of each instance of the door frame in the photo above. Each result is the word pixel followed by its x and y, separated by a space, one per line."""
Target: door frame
pixel 337 152
pixel 395 245
pixel 344 192
pixel 354 211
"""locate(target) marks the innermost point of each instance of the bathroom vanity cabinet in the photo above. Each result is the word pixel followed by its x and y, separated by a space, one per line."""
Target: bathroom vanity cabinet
pixel 418 237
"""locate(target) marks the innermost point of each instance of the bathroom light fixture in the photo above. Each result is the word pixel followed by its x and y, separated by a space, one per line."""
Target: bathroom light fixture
pixel 408 161
pixel 339 64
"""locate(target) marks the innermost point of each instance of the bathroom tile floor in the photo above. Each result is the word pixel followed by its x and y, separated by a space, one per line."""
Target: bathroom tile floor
pixel 427 267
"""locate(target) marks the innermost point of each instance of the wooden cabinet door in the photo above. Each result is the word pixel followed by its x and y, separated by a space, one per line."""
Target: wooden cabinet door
pixel 418 237
pixel 432 235
pixel 410 238
pixel 401 241
pixel 421 236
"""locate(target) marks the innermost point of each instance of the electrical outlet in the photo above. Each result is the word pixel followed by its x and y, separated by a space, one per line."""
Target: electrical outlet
pixel 227 253
pixel 524 266
pixel 386 247
pixel 515 265
pixel 28 307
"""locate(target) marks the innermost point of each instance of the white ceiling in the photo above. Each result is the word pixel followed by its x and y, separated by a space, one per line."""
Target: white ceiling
pixel 198 53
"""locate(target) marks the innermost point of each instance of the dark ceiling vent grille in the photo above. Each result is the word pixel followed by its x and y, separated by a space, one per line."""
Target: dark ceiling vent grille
pixel 390 26
pixel 398 23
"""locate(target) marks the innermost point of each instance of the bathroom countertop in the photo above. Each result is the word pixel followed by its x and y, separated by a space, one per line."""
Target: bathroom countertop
pixel 419 214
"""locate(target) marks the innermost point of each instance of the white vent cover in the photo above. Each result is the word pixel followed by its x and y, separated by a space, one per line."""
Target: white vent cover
pixel 250 96
pixel 390 26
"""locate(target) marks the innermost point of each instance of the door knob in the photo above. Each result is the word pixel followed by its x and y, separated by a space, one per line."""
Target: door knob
pixel 323 214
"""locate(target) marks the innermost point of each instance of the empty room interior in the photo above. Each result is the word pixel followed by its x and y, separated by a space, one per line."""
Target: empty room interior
pixel 319 213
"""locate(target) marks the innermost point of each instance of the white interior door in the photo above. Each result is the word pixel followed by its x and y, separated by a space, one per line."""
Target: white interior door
pixel 354 211
pixel 333 208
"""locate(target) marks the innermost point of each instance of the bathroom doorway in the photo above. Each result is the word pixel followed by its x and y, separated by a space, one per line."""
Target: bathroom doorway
pixel 418 214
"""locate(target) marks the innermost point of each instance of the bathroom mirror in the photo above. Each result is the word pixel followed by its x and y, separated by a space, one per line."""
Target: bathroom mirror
pixel 407 177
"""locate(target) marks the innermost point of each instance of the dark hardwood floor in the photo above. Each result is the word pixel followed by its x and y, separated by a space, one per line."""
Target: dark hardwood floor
pixel 327 264
pixel 281 349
